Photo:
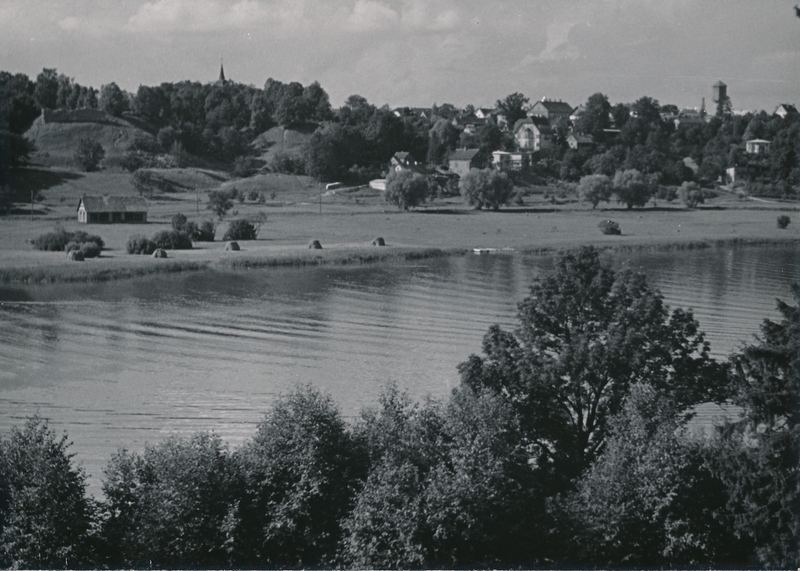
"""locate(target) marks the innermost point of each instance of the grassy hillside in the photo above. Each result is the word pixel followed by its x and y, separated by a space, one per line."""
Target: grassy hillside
pixel 280 139
pixel 56 141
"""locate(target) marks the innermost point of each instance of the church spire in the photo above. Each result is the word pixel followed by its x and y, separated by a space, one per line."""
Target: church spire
pixel 221 72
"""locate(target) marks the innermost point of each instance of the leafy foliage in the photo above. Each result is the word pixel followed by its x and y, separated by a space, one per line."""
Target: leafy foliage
pixel 58 239
pixel 297 481
pixel 170 505
pixel 405 189
pixel 691 194
pixel 172 240
pixel 89 154
pixel 586 334
pixel 139 244
pixel 783 221
pixel 220 201
pixel 486 188
pixel 609 227
pixel 594 188
pixel 240 229
pixel 44 512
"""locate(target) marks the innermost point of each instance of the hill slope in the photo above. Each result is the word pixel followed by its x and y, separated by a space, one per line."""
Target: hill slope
pixel 56 137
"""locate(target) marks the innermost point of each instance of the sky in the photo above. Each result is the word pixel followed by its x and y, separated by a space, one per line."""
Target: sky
pixel 420 52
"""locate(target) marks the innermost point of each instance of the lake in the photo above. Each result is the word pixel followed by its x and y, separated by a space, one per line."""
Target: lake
pixel 128 362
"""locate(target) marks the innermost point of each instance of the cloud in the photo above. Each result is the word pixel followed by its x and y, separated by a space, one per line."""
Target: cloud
pixel 368 16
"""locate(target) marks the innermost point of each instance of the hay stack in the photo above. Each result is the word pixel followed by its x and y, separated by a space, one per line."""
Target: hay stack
pixel 232 246
pixel 160 253
pixel 314 245
pixel 75 255
pixel 378 241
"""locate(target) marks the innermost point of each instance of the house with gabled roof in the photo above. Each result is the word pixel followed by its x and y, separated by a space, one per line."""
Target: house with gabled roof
pixel 533 134
pixel 403 160
pixel 551 110
pixel 462 160
pixel 785 109
pixel 112 209
pixel 578 141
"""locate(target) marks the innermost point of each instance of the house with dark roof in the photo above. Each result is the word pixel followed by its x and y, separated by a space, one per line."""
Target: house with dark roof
pixel 468 122
pixel 112 209
pixel 402 160
pixel 533 134
pixel 462 160
pixel 578 141
pixel 551 110
pixel 512 161
pixel 785 109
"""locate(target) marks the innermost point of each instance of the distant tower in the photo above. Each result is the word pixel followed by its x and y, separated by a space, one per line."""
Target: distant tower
pixel 703 107
pixel 221 80
pixel 720 91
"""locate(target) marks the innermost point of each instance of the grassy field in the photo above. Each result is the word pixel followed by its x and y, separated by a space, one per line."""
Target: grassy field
pixel 298 210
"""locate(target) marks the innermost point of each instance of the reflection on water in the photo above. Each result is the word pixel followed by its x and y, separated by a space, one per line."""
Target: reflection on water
pixel 123 363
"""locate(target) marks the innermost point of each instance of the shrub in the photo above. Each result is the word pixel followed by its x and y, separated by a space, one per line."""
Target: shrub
pixel 610 227
pixel 783 221
pixel 405 189
pixel 252 196
pixel 139 244
pixel 486 188
pixel 205 232
pixel 89 154
pixel 286 163
pixel 244 166
pixel 241 229
pixel 88 249
pixel 595 187
pixel 691 194
pixel 220 201
pixel 58 240
pixel 172 240
pixel 179 222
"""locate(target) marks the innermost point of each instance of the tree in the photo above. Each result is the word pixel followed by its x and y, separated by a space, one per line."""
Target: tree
pixel 649 500
pixel 758 456
pixel 113 100
pixel 594 188
pixel 297 482
pixel 486 188
pixel 240 229
pixel 46 91
pixel 168 506
pixel 585 335
pixel 219 202
pixel 594 117
pixel 89 154
pixel 513 106
pixel 631 188
pixel 691 194
pixel 405 189
pixel 45 516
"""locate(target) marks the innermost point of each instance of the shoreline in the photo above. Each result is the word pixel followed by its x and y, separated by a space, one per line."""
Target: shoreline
pixel 133 266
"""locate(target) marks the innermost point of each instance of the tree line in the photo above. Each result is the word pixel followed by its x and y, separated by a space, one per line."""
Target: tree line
pixel 565 444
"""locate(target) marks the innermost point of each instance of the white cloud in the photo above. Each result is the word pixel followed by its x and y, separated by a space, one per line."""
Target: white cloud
pixel 368 15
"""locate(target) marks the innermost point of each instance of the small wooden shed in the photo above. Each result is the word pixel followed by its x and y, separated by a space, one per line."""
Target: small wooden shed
pixel 112 209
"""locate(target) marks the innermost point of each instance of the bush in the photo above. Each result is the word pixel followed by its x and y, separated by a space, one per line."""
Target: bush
pixel 58 240
pixel 286 163
pixel 595 187
pixel 179 222
pixel 89 154
pixel 205 232
pixel 405 189
pixel 691 194
pixel 610 227
pixel 783 221
pixel 87 249
pixel 240 229
pixel 220 201
pixel 244 166
pixel 139 244
pixel 252 196
pixel 172 240
pixel 486 188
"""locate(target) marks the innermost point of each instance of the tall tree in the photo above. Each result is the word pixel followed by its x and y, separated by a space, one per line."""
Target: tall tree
pixel 46 516
pixel 513 106
pixel 585 335
pixel 760 454
pixel 113 100
pixel 594 117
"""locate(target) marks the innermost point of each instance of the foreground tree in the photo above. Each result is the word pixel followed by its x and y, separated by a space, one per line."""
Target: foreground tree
pixel 169 505
pixel 297 477
pixel 758 457
pixel 45 516
pixel 486 188
pixel 513 106
pixel 649 499
pixel 586 334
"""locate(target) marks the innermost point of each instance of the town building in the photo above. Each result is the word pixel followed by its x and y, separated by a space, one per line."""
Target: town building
pixel 785 109
pixel 551 110
pixel 512 161
pixel 462 160
pixel 533 134
pixel 577 141
pixel 757 147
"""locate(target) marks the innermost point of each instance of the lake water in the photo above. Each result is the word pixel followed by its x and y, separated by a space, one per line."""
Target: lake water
pixel 128 362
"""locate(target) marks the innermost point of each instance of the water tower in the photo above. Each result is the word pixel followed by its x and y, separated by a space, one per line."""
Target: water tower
pixel 720 91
